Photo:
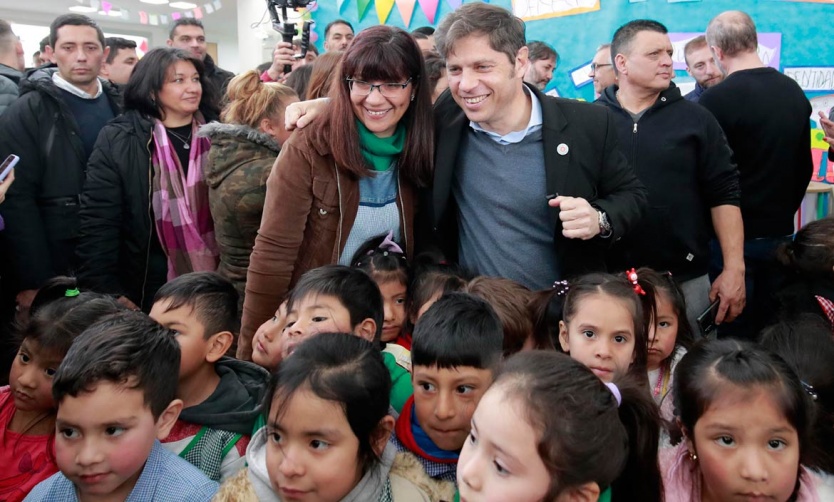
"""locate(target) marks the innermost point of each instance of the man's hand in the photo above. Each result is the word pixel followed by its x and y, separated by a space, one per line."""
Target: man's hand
pixel 4 186
pixel 729 288
pixel 298 115
pixel 579 218
pixel 282 56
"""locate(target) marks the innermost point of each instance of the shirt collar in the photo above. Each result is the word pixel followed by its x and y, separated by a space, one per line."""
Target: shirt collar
pixel 63 84
pixel 533 125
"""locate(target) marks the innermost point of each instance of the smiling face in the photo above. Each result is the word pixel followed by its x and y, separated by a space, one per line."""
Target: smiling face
pixel 102 448
pixel 312 453
pixel 500 459
pixel 79 55
pixel 30 380
pixel 393 301
pixel 180 94
pixel 444 400
pixel 747 449
pixel 648 63
pixel 701 66
pixel 315 314
pixel 484 82
pixel 663 332
pixel 540 72
pixel 381 114
pixel 600 335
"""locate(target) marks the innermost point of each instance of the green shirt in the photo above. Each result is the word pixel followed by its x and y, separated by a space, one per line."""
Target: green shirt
pixel 401 388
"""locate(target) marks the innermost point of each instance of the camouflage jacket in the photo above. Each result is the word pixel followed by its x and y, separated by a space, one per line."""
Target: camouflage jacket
pixel 239 163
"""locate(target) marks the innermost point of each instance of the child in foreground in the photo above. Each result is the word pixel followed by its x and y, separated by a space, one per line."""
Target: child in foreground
pixel 115 392
pixel 27 410
pixel 548 429
pixel 221 396
pixel 333 299
pixel 327 432
pixel 457 345
pixel 746 421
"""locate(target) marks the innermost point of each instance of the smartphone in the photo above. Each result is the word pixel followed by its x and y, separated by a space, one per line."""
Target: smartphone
pixel 7 166
pixel 706 321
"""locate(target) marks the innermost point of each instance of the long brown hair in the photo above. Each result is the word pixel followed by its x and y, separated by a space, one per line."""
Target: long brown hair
pixel 323 74
pixel 391 55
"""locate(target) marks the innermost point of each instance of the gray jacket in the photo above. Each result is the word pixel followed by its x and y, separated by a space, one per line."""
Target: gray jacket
pixel 9 82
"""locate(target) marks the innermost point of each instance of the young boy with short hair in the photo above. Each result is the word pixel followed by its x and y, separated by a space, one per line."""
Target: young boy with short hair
pixel 115 391
pixel 332 299
pixel 456 346
pixel 221 395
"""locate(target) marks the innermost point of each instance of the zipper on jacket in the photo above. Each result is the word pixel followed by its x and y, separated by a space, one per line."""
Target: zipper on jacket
pixel 338 246
pixel 402 211
pixel 150 218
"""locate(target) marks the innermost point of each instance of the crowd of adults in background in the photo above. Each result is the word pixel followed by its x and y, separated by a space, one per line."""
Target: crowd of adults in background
pixel 402 175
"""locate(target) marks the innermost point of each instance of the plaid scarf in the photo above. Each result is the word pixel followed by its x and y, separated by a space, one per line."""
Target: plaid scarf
pixel 180 204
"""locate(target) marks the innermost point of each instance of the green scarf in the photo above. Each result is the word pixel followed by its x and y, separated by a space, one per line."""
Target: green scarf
pixel 380 152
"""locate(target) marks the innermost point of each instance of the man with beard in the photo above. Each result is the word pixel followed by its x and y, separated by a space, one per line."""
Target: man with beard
pixel 701 66
pixel 543 61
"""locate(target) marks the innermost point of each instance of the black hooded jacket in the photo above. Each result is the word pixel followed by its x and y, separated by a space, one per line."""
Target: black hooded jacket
pixel 41 207
pixel 678 150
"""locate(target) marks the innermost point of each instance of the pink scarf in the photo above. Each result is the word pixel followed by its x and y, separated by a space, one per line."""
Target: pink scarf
pixel 682 478
pixel 180 204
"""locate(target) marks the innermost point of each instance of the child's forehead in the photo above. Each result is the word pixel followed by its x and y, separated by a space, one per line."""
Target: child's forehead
pixel 105 402
pixel 167 310
pixel 316 299
pixel 453 374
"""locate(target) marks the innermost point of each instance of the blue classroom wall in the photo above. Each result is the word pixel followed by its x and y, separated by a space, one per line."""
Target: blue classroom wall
pixel 805 28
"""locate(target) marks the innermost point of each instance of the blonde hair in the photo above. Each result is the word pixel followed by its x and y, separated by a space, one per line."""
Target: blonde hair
pixel 250 100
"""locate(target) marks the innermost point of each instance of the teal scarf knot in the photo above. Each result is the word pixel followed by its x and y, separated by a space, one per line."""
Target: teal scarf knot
pixel 380 152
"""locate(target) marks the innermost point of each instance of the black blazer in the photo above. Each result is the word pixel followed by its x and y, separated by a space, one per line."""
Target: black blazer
pixel 594 168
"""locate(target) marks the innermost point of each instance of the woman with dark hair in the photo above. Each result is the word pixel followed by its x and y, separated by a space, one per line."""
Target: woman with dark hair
pixel 323 74
pixel 145 215
pixel 349 177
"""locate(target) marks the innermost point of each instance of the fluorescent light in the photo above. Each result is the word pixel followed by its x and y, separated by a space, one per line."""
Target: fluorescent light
pixel 112 13
pixel 183 5
pixel 155 2
pixel 82 8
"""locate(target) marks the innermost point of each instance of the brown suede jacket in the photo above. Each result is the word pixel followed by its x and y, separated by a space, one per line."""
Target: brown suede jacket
pixel 311 205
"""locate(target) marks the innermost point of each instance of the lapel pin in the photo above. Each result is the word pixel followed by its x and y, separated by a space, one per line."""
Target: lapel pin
pixel 562 149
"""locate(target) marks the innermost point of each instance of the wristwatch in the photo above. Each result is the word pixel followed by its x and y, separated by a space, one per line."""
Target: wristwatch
pixel 605 230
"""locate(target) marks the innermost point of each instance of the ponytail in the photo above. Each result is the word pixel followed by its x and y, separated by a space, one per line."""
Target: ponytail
pixel 640 479
pixel 250 100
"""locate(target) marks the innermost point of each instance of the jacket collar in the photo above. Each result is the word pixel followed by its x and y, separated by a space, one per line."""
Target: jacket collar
pixel 666 97
pixel 216 129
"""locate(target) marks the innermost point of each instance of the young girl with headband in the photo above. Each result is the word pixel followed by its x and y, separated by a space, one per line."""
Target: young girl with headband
pixel 548 429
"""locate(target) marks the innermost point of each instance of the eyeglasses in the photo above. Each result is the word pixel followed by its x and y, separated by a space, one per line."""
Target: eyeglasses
pixel 594 66
pixel 390 90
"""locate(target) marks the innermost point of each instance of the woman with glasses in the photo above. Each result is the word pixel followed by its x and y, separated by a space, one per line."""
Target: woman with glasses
pixel 349 176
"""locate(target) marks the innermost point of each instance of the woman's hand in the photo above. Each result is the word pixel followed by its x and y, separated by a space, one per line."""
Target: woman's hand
pixel 298 115
pixel 828 128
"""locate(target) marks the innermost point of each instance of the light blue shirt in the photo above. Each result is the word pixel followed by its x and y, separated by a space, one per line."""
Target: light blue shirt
pixel 165 477
pixel 533 125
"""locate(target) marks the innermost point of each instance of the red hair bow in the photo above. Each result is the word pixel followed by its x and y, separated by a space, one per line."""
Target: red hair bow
pixel 631 275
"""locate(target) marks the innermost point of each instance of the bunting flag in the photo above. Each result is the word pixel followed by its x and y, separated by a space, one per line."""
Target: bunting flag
pixel 454 4
pixel 208 8
pixel 362 8
pixel 106 7
pixel 163 19
pixel 429 9
pixel 109 7
pixel 198 13
pixel 154 20
pixel 176 15
pixel 143 17
pixel 339 5
pixel 406 8
pixel 217 5
pixel 383 9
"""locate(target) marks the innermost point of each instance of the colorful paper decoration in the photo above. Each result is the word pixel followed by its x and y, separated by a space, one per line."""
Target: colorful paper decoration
pixel 106 7
pixel 143 17
pixel 383 10
pixel 406 8
pixel 176 15
pixel 340 4
pixel 198 13
pixel 454 4
pixel 429 9
pixel 362 8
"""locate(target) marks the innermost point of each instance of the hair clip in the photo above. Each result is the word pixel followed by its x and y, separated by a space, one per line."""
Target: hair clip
pixel 388 244
pixel 616 391
pixel 72 292
pixel 631 275
pixel 809 389
pixel 562 287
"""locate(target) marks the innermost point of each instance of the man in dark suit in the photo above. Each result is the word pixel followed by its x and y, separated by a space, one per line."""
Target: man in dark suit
pixel 526 186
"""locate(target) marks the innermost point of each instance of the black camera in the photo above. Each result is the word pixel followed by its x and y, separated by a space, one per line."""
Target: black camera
pixel 291 4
